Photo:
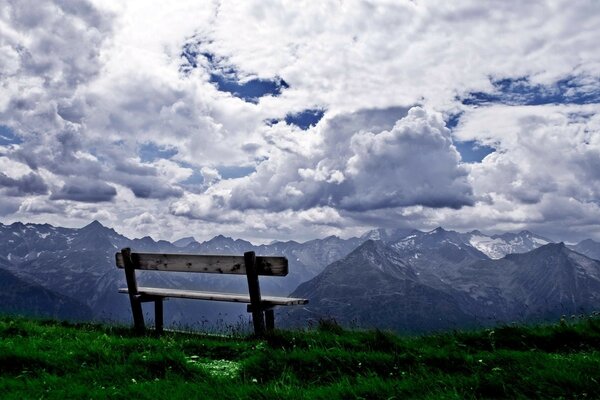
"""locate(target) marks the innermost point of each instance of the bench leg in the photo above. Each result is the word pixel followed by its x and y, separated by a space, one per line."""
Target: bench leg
pixel 138 315
pixel 258 318
pixel 158 315
pixel 270 319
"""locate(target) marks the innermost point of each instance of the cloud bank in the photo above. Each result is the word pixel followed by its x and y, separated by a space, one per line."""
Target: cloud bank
pixel 276 119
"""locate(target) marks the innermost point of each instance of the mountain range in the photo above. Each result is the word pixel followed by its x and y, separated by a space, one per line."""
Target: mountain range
pixel 447 280
pixel 78 264
pixel 401 279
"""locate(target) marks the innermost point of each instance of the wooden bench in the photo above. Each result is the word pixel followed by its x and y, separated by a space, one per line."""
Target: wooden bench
pixel 250 265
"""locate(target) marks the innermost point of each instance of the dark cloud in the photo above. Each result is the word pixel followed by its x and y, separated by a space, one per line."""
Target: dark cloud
pixel 143 180
pixel 31 183
pixel 85 190
pixel 60 153
pixel 131 167
pixel 8 205
pixel 154 190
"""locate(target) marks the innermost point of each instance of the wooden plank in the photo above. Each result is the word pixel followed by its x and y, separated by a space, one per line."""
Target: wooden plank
pixel 230 297
pixel 270 319
pixel 216 264
pixel 258 318
pixel 136 305
pixel 158 316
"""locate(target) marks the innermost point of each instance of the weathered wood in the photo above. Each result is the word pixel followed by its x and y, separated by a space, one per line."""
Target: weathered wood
pixel 249 265
pixel 136 305
pixel 258 319
pixel 158 315
pixel 270 319
pixel 266 301
pixel 265 265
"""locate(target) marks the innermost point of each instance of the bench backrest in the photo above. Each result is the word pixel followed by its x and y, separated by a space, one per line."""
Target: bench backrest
pixel 216 264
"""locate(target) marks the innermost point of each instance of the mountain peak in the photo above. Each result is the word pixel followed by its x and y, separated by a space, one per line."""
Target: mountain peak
pixel 221 237
pixel 542 251
pixel 330 238
pixel 184 241
pixel 553 246
pixel 374 234
pixel 94 224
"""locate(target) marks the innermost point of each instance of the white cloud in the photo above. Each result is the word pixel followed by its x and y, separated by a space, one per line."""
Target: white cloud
pixel 86 84
pixel 549 150
pixel 210 175
pixel 412 159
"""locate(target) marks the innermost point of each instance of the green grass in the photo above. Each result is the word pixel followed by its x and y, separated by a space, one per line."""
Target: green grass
pixel 55 360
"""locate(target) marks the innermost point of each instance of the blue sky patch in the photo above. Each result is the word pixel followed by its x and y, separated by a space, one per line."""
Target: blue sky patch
pixel 453 120
pixel 234 171
pixel 472 152
pixel 250 91
pixel 195 179
pixel 151 151
pixel 227 78
pixel 7 136
pixel 189 54
pixel 521 91
pixel 305 119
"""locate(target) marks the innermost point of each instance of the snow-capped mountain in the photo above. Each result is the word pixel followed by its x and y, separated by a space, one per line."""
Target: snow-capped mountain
pixel 493 246
pixel 498 246
pixel 387 235
pixel 381 286
pixel 373 287
pixel 421 273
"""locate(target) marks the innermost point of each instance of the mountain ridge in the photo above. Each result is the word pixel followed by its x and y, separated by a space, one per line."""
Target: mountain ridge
pixel 542 284
pixel 78 263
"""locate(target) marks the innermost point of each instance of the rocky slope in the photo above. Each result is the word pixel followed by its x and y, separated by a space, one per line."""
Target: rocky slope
pixel 436 281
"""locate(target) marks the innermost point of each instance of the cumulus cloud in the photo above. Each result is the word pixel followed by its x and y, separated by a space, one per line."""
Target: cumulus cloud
pixel 354 167
pixel 210 175
pixel 321 216
pixel 40 206
pixel 142 222
pixel 206 207
pixel 551 150
pixel 52 47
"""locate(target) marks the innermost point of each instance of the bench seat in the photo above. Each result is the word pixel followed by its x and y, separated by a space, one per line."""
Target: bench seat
pixel 199 295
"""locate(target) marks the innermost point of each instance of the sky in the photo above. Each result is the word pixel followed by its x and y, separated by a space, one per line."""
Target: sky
pixel 276 120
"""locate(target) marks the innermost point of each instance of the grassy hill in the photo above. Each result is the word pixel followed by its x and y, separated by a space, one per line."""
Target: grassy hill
pixel 49 359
